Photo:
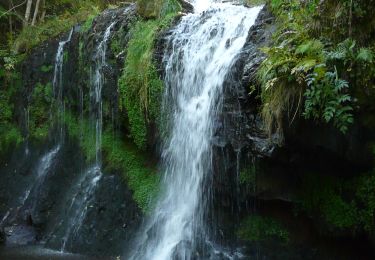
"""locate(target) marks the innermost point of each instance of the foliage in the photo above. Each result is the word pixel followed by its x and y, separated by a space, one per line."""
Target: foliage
pixel 307 66
pixel 86 26
pixel 257 228
pixel 365 199
pixel 341 204
pixel 248 176
pixel 254 2
pixel 39 110
pixel 118 155
pixel 142 179
pixel 46 68
pixel 149 9
pixel 9 132
pixel 326 100
pixel 140 85
pixel 31 36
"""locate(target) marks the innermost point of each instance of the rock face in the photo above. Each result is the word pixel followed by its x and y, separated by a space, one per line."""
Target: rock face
pixel 239 144
pixel 239 137
pixel 32 214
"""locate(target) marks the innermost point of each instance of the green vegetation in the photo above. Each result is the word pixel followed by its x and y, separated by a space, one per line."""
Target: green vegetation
pixel 343 205
pixel 257 228
pixel 312 70
pixel 9 132
pixel 86 26
pixel 252 3
pixel 32 36
pixel 46 68
pixel 140 176
pixel 39 111
pixel 142 179
pixel 140 85
pixel 248 176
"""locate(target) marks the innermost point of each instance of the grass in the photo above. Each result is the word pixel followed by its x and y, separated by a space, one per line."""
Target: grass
pixel 31 36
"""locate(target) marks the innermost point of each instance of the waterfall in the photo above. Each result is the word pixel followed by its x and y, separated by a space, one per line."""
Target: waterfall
pixel 45 162
pixel 83 192
pixel 58 85
pixel 201 50
pixel 43 167
pixel 98 82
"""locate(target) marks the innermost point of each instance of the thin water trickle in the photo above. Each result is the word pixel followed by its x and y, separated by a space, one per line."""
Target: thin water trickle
pixel 98 82
pixel 41 173
pixel 58 84
pixel 203 48
pixel 83 192
pixel 47 159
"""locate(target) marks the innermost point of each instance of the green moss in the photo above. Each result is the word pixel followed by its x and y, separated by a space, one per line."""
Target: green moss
pixel 116 46
pixel 82 131
pixel 140 85
pixel 10 134
pixel 149 8
pixel 86 26
pixel 252 3
pixel 141 178
pixel 248 176
pixel 46 68
pixel 257 229
pixel 346 205
pixel 66 56
pixel 365 200
pixel 39 111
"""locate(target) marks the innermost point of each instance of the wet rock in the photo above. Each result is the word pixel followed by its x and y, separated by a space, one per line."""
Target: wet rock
pixel 241 127
pixel 2 236
pixel 20 235
pixel 186 6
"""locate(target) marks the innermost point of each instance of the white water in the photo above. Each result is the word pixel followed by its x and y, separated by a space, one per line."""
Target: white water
pixel 58 87
pixel 204 47
pixel 41 173
pixel 80 203
pixel 98 82
pixel 47 159
pixel 83 193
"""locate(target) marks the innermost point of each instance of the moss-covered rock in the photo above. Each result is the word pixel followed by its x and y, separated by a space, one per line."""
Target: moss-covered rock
pixel 149 8
pixel 256 229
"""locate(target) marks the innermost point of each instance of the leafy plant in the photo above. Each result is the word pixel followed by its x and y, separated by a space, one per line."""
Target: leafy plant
pixel 140 85
pixel 326 100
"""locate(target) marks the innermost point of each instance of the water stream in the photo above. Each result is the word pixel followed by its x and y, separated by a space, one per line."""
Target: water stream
pixel 58 85
pixel 42 170
pixel 201 50
pixel 98 82
pixel 82 193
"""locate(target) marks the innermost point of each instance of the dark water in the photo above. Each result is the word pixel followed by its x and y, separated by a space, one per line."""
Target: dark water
pixel 39 253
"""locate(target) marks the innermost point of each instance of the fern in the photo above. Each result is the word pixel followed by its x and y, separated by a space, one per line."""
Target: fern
pixel 327 101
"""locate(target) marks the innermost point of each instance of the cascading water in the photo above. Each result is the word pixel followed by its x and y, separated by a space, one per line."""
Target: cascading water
pixel 84 191
pixel 41 173
pixel 58 85
pixel 98 82
pixel 47 159
pixel 203 48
